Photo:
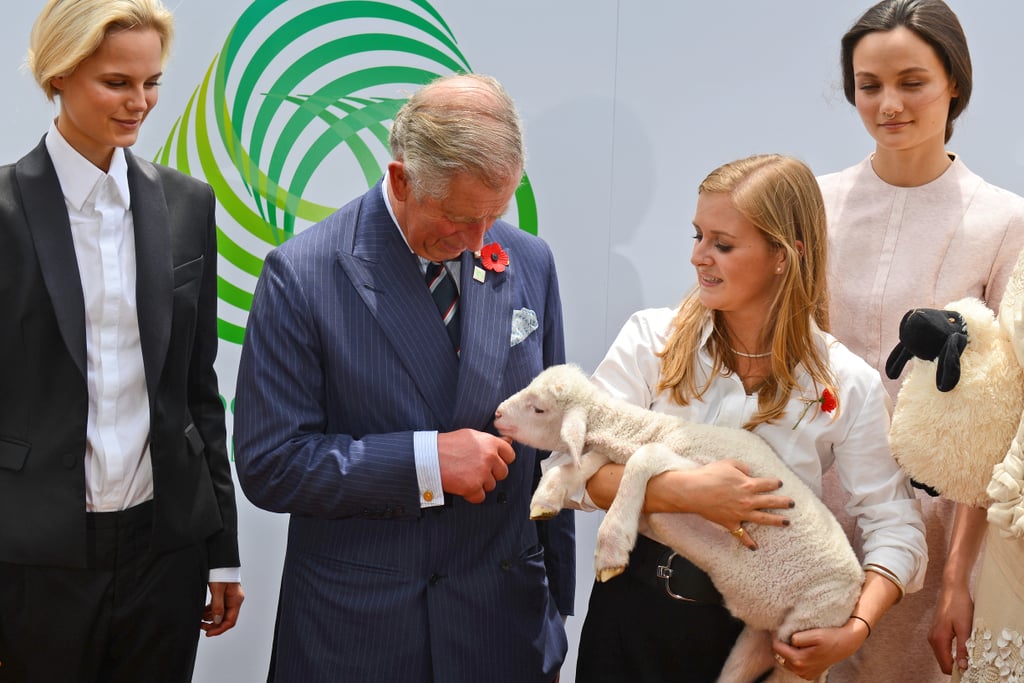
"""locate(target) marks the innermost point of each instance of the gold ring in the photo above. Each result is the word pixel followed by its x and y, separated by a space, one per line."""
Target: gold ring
pixel 780 659
pixel 738 532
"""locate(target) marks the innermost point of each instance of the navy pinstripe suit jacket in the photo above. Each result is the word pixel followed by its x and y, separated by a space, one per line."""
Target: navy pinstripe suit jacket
pixel 345 357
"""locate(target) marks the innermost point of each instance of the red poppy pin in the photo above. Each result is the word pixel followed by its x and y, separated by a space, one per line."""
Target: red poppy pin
pixel 827 402
pixel 493 257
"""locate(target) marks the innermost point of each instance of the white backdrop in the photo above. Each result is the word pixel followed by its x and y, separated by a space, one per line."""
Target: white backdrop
pixel 627 106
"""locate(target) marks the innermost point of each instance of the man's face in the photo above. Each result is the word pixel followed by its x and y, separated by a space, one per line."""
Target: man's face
pixel 441 229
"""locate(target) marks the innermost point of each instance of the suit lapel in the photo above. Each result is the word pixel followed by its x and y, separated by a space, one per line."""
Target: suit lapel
pixel 486 311
pixel 154 279
pixel 51 233
pixel 387 277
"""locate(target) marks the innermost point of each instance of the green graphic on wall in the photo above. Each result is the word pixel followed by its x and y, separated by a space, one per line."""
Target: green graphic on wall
pixel 292 118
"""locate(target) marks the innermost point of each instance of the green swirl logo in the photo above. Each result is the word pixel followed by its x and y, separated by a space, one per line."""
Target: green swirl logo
pixel 292 116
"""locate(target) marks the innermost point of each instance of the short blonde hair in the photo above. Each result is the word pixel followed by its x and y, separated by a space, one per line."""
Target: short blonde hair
pixel 66 32
pixel 780 196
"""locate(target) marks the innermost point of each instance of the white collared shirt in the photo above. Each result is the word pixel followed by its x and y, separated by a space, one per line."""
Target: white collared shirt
pixel 118 467
pixel 118 470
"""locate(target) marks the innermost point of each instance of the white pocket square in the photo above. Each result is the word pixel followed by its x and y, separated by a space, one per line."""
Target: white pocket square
pixel 524 322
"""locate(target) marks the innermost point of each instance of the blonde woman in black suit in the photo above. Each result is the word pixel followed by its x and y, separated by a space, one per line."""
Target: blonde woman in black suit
pixel 116 498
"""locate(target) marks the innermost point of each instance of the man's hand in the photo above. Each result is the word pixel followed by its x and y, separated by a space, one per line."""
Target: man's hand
pixel 221 613
pixel 472 463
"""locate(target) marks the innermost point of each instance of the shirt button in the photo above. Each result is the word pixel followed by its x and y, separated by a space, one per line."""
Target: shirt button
pixel 428 495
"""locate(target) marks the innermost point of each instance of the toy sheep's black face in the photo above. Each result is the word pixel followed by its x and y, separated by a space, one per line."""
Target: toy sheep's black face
pixel 532 418
pixel 931 335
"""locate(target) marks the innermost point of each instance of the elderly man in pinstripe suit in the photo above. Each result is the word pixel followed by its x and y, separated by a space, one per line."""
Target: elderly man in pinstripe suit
pixel 411 556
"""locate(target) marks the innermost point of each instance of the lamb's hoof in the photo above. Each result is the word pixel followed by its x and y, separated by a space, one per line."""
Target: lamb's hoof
pixel 543 512
pixel 609 573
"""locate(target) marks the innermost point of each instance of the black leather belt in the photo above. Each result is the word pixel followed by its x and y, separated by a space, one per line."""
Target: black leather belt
pixel 659 566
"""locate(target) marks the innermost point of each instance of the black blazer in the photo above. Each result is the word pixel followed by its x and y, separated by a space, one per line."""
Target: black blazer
pixel 43 393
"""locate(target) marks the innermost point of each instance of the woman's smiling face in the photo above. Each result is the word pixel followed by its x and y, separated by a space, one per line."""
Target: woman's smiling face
pixel 104 101
pixel 738 270
pixel 902 90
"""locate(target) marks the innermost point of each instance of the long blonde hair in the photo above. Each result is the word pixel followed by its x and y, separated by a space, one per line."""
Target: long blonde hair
pixel 780 196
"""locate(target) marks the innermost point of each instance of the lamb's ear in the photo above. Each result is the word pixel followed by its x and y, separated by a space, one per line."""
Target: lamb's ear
pixel 947 373
pixel 574 432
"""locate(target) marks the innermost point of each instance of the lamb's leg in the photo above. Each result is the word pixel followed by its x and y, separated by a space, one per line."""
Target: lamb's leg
pixel 554 487
pixel 750 657
pixel 617 533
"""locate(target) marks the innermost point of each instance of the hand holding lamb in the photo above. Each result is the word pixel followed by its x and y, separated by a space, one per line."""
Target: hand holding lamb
pixel 803 576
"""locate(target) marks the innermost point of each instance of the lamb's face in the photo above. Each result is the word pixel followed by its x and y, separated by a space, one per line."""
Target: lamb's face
pixel 531 417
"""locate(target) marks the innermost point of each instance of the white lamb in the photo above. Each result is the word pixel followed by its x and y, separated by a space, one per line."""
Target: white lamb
pixel 802 576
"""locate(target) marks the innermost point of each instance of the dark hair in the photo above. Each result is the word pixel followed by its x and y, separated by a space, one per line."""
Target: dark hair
pixel 934 23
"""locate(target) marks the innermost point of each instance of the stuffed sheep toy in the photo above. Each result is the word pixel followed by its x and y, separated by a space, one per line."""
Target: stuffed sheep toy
pixel 958 426
pixel 803 576
pixel 958 409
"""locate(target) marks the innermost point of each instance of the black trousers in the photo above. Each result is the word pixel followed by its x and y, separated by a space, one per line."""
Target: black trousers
pixel 128 617
pixel 635 633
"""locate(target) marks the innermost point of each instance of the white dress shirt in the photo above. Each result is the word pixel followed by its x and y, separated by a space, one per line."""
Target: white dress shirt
pixel 118 467
pixel 118 470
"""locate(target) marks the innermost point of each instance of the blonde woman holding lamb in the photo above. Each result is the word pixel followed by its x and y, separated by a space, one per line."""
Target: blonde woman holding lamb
pixel 748 349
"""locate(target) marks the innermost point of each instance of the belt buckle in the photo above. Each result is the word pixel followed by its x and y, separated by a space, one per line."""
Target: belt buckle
pixel 664 571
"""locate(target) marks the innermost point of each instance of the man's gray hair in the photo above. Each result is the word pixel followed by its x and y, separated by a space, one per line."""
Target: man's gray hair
pixel 465 123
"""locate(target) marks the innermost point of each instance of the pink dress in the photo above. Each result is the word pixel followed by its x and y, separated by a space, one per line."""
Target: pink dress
pixel 892 249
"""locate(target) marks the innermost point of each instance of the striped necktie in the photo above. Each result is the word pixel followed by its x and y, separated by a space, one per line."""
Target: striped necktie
pixel 446 298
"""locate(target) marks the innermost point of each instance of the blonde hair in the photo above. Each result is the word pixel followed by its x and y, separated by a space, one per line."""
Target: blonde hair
pixel 463 123
pixel 780 196
pixel 66 32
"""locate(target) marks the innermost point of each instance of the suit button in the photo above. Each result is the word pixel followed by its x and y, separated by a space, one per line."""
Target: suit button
pixel 70 460
pixel 506 565
pixel 502 497
pixel 434 579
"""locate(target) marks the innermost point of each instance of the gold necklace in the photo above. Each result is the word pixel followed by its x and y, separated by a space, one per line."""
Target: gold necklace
pixel 751 355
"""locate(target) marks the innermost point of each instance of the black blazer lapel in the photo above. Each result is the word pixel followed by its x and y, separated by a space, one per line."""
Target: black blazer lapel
pixel 154 266
pixel 47 218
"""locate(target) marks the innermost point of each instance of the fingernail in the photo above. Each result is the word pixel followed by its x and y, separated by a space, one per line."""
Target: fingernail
pixel 792 504
pixel 780 484
pixel 962 663
pixel 217 619
pixel 785 522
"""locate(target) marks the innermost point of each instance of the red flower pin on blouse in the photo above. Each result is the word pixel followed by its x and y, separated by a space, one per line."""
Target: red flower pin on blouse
pixel 827 401
pixel 493 257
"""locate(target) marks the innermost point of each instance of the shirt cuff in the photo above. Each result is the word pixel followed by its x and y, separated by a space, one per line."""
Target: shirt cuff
pixel 226 575
pixel 428 469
